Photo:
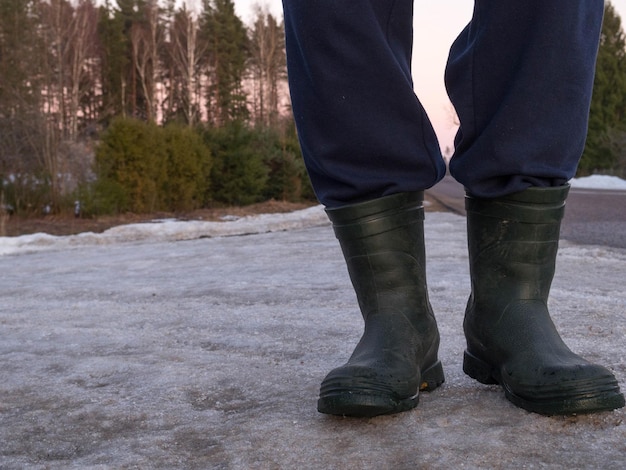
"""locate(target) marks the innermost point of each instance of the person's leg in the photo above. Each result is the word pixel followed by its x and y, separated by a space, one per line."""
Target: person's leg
pixel 370 152
pixel 362 130
pixel 520 77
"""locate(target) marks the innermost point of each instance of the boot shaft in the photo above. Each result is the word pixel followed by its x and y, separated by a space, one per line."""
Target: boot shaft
pixel 383 244
pixel 513 243
pixel 511 339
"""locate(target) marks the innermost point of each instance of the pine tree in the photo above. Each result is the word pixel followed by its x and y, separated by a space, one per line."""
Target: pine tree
pixel 607 124
pixel 227 46
pixel 123 90
pixel 114 62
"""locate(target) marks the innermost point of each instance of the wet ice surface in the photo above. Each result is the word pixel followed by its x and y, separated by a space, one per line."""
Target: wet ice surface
pixel 208 353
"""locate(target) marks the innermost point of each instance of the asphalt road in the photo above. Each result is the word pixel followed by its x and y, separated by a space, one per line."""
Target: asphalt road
pixel 592 216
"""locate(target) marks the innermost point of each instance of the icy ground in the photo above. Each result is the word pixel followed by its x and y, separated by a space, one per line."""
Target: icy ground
pixel 184 352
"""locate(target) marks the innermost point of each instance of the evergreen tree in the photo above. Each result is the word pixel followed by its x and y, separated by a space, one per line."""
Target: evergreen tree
pixel 114 62
pixel 122 87
pixel 607 123
pixel 17 32
pixel 20 103
pixel 227 46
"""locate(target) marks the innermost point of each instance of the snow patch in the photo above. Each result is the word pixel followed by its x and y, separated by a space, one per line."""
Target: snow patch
pixel 599 182
pixel 168 230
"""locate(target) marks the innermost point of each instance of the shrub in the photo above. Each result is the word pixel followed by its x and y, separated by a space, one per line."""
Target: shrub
pixel 131 159
pixel 187 184
pixel 239 175
pixel 103 196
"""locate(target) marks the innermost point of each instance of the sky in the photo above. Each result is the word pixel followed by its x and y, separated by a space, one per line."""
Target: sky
pixel 436 25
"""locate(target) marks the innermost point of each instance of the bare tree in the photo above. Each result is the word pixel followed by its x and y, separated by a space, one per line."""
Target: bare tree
pixel 79 56
pixel 65 52
pixel 69 36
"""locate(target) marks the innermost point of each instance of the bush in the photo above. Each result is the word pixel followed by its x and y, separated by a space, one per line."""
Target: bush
pixel 287 179
pixel 239 175
pixel 26 194
pixel 141 167
pixel 131 159
pixel 254 164
pixel 103 196
pixel 187 184
pixel 284 179
pixel 291 146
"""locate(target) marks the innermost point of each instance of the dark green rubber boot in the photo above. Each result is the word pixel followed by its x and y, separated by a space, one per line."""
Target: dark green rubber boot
pixel 383 245
pixel 511 339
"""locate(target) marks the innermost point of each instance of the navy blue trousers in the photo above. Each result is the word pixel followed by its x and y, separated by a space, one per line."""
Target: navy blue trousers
pixel 519 75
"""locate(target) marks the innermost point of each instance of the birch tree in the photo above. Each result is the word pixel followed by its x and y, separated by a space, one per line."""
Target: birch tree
pixel 185 51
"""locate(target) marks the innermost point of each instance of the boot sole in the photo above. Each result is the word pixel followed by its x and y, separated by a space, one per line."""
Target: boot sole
pixel 604 400
pixel 367 405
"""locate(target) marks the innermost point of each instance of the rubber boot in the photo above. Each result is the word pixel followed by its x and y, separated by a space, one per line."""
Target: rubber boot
pixel 383 245
pixel 511 339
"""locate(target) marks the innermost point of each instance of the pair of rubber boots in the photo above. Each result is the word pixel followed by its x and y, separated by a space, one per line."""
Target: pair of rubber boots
pixel 511 339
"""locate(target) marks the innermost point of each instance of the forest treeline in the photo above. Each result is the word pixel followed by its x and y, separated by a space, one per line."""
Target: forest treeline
pixel 146 105
pixel 143 105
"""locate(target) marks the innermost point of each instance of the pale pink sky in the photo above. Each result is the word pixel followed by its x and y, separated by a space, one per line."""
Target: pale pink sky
pixel 436 24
